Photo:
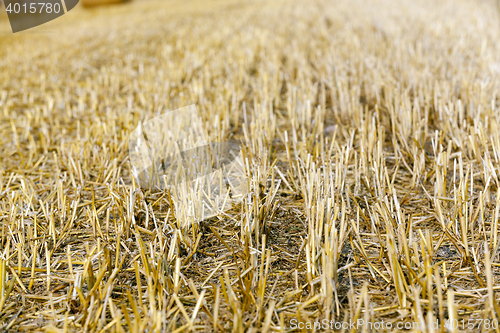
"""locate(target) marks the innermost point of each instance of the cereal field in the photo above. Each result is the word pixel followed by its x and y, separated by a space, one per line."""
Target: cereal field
pixel 371 135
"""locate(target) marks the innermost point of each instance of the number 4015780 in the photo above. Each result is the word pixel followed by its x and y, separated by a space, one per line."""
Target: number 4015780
pixel 472 323
pixel 33 8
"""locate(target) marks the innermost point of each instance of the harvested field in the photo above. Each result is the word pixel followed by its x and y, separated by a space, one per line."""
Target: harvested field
pixel 372 136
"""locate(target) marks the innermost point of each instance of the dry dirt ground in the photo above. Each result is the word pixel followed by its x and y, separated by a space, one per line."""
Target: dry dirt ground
pixel 372 135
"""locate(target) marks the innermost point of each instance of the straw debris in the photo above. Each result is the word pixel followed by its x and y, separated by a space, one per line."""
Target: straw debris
pixel 370 132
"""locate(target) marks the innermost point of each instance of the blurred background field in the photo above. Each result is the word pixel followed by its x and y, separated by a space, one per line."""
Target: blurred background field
pixel 371 130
